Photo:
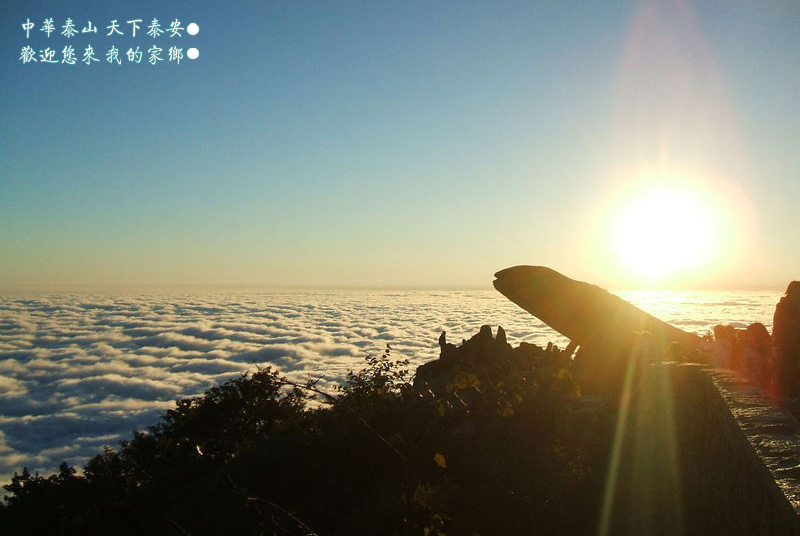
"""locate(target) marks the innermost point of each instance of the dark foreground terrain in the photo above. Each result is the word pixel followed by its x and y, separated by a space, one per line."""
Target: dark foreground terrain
pixel 488 439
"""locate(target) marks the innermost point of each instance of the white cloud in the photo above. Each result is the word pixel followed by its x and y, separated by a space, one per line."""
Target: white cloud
pixel 77 372
pixel 11 388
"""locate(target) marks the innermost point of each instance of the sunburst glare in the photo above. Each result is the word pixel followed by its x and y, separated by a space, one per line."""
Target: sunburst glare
pixel 665 230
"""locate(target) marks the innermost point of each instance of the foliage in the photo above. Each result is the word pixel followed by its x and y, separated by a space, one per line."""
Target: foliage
pixel 251 457
pixel 381 377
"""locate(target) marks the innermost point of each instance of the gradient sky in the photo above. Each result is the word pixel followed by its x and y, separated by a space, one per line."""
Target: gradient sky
pixel 388 144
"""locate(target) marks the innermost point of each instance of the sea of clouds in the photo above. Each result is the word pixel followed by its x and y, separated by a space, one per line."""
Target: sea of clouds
pixel 80 371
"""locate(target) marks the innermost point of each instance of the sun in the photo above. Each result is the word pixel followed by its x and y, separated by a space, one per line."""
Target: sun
pixel 665 232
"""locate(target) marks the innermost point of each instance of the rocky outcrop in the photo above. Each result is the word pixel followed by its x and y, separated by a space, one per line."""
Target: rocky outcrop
pixel 471 374
pixel 604 326
pixel 585 313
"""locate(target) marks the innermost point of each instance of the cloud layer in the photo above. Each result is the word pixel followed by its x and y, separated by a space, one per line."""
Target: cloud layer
pixel 80 371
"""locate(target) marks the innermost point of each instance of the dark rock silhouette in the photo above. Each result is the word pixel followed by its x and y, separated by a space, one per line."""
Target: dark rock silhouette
pixel 786 341
pixel 467 375
pixel 603 325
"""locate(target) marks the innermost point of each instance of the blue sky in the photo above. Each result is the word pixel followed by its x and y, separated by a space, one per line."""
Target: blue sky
pixel 391 144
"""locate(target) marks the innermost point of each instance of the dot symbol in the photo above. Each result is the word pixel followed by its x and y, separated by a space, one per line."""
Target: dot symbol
pixel 192 29
pixel 192 53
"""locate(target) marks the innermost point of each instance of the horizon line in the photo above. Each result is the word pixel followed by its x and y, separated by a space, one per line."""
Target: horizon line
pixel 301 288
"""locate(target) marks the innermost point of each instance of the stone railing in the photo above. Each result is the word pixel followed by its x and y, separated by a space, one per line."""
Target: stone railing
pixel 703 452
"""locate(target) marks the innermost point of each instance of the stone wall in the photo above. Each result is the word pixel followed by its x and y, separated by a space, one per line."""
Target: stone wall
pixel 699 451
